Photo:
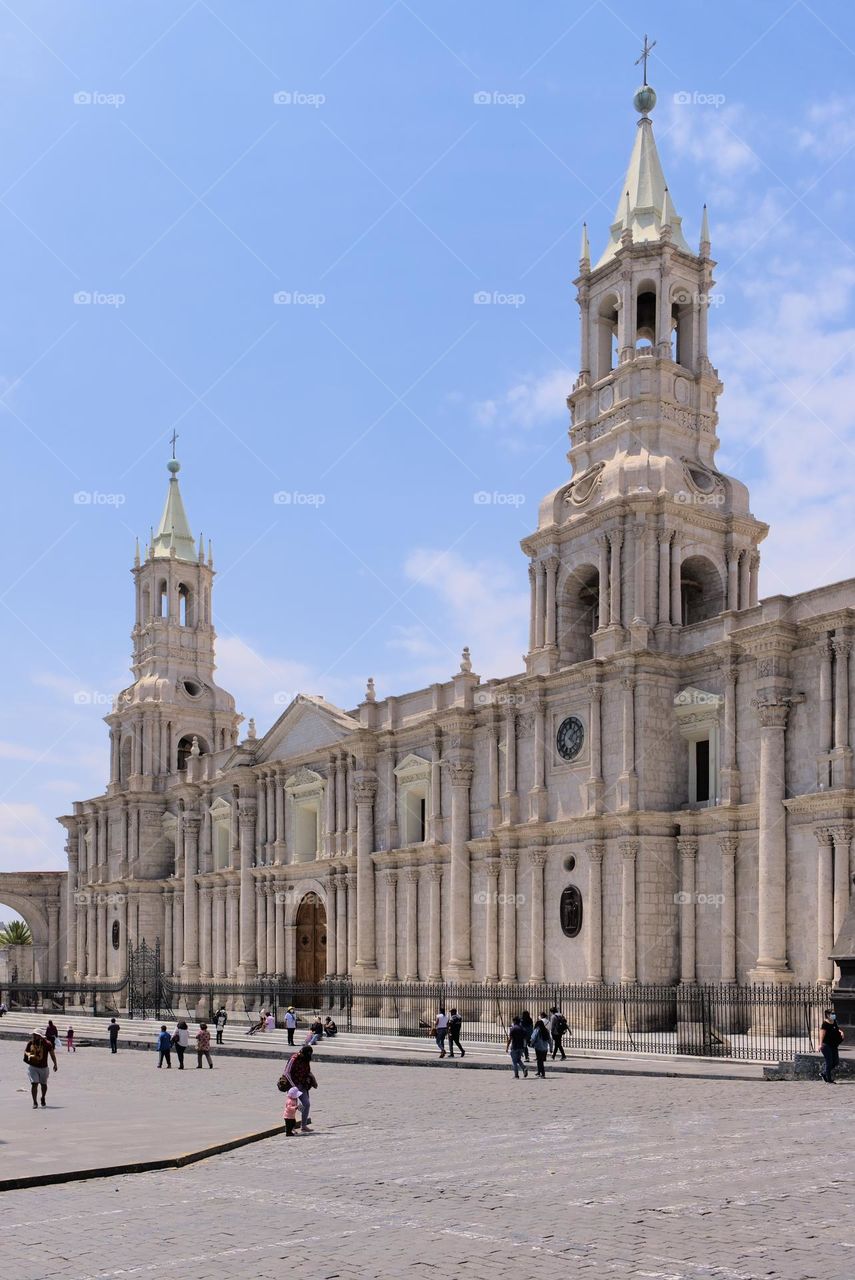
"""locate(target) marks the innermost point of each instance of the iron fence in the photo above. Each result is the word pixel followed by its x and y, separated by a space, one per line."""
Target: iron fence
pixel 55 997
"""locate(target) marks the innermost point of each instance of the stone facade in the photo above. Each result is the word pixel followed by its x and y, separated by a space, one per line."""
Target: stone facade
pixel 677 749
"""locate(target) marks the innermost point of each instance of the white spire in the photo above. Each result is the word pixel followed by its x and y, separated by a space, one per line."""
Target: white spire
pixel 705 233
pixel 173 535
pixel 584 250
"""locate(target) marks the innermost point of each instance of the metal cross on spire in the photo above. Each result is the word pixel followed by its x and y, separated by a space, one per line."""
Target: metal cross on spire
pixel 172 442
pixel 645 54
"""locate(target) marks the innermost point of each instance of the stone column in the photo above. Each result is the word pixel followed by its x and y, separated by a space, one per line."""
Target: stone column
pixel 329 842
pixel 279 795
pixel 279 929
pixel 539 603
pixel 595 911
pixel 365 789
pixel 351 806
pixel 729 846
pixel 510 801
pixel 351 921
pixel 435 825
pixel 842 836
pixel 616 540
pixel 551 576
pixel 391 974
pixel 82 965
pixel 261 809
pixel 332 921
pixel 495 816
pixel 177 928
pixel 92 936
pixel 435 925
pixel 639 604
pixel 270 816
pixel 248 958
pixel 260 926
pixel 536 859
pixel 744 579
pixel 270 898
pixel 190 964
pixel 71 916
pixel 341 926
pixel 676 582
pixel 234 840
pixel 628 789
pixel 595 780
pixel 219 931
pixel 491 945
pixel 390 788
pixel 842 647
pixel 687 847
pixel 102 938
pixel 233 912
pixel 629 853
pixel 754 579
pixel 460 887
pixel 825 650
pixel 665 538
pixel 205 931
pixel 603 545
pixel 52 957
pixel 532 611
pixel 732 580
pixel 824 904
pixel 538 794
pixel 509 860
pixel 167 958
pixel 411 937
pixel 340 804
pixel 730 782
pixel 772 858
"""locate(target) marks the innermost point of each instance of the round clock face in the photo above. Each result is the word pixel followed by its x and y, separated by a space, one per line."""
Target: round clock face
pixel 570 736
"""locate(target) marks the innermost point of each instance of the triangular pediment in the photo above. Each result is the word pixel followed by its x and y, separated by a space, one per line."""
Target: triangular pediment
pixel 306 725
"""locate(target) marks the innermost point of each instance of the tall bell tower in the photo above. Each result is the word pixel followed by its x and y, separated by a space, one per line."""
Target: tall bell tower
pixel 648 536
pixel 174 712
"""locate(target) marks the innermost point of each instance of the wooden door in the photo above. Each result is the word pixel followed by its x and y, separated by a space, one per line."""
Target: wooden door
pixel 311 939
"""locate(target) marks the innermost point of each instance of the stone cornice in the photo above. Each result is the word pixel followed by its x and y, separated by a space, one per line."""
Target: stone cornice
pixel 838 805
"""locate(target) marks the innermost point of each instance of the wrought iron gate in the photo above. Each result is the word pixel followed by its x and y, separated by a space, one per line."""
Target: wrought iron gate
pixel 145 982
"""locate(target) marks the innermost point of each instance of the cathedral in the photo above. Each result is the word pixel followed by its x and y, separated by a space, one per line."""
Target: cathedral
pixel 664 795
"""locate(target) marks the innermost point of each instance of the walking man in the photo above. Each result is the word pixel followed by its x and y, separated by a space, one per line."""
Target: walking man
pixel 455 1022
pixel 440 1030
pixel 290 1023
pixel 830 1039
pixel 164 1049
pixel 298 1073
pixel 36 1055
pixel 558 1028
pixel 515 1044
pixel 203 1046
pixel 113 1033
pixel 220 1021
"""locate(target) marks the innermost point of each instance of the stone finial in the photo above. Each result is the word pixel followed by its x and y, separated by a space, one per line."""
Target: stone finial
pixel 584 251
pixel 370 691
pixel 136 553
pixel 705 234
pixel 194 746
pixel 250 729
pixel 466 661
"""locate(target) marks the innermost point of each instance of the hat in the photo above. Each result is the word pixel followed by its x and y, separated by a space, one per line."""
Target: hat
pixel 38 1031
pixel 293 1092
pixel 290 1008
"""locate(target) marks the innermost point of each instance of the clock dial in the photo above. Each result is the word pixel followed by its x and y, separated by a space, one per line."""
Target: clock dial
pixel 570 737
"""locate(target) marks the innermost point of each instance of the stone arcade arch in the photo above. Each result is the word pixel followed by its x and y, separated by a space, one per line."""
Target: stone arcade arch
pixel 701 588
pixel 37 897
pixel 578 613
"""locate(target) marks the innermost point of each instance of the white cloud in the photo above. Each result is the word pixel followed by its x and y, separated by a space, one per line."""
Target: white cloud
pixel 714 138
pixel 828 129
pixel 531 401
pixel 29 839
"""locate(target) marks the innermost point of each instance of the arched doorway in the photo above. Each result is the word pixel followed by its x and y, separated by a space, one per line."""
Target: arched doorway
pixel 311 929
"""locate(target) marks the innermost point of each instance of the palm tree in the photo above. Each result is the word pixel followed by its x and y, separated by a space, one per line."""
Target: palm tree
pixel 15 933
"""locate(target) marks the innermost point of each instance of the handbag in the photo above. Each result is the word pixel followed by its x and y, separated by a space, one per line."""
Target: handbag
pixel 283 1084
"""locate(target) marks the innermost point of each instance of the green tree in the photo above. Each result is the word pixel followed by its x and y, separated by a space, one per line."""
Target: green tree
pixel 15 933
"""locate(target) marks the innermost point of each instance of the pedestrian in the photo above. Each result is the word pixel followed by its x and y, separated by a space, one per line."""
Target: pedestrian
pixel 257 1026
pixel 70 1046
pixel 299 1075
pixel 527 1024
pixel 164 1045
pixel 271 1022
pixel 558 1028
pixel 181 1041
pixel 316 1031
pixel 515 1046
pixel 830 1039
pixel 113 1033
pixel 455 1023
pixel 220 1020
pixel 3 1009
pixel 290 1023
pixel 541 1042
pixel 292 1103
pixel 203 1046
pixel 330 1028
pixel 440 1030
pixel 39 1049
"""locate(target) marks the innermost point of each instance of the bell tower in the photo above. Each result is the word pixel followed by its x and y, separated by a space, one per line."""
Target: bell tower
pixel 648 537
pixel 173 712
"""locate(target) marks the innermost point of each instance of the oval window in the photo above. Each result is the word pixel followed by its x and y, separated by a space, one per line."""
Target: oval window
pixel 115 935
pixel 571 911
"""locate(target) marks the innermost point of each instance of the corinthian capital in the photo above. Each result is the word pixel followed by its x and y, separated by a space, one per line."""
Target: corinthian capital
pixel 629 849
pixel 687 846
pixel 772 715
pixel 365 789
pixel 461 773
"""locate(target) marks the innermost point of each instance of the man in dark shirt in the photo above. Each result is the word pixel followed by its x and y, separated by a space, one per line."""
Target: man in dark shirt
pixel 298 1073
pixel 39 1049
pixel 515 1045
pixel 113 1032
pixel 830 1038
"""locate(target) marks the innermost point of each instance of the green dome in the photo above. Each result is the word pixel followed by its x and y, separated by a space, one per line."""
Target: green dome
pixel 645 99
pixel 173 465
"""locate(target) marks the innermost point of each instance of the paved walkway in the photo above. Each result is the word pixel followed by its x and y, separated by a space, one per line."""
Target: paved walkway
pixel 469 1173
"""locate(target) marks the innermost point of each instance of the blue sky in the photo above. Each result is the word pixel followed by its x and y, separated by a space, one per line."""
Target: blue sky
pixel 146 163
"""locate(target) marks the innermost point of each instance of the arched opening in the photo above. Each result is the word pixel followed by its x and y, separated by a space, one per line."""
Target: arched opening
pixel 185 606
pixel 222 739
pixel 126 759
pixel 701 590
pixel 682 329
pixel 162 600
pixel 311 931
pixel 28 954
pixel 185 749
pixel 607 327
pixel 579 614
pixel 207 617
pixel 645 317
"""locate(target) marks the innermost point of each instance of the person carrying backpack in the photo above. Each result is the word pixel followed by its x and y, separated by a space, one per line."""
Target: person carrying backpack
pixel 830 1039
pixel 558 1028
pixel 455 1023
pixel 541 1042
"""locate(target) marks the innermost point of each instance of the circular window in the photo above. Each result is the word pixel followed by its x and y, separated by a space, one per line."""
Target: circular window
pixel 115 935
pixel 193 688
pixel 570 737
pixel 571 911
pixel 569 863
